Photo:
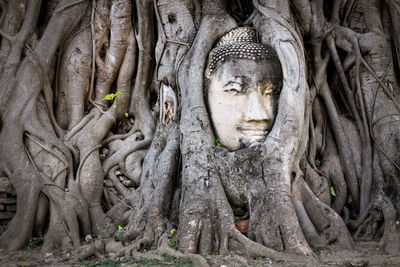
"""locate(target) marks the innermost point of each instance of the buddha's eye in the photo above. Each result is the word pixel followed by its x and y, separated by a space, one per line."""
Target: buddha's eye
pixel 269 91
pixel 267 88
pixel 234 90
pixel 234 87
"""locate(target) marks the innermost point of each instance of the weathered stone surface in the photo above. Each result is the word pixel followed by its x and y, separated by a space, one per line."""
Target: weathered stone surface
pixel 2 207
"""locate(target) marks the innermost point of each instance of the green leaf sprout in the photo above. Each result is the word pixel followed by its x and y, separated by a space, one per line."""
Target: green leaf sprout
pixel 217 142
pixel 113 95
pixel 173 233
pixel 333 191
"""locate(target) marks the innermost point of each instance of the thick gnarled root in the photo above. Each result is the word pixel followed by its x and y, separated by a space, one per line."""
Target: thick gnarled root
pixel 378 223
pixel 320 223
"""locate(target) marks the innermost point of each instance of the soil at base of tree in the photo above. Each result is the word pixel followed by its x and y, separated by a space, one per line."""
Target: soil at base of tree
pixel 364 255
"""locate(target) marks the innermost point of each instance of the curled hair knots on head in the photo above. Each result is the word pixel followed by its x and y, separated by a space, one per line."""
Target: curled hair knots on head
pixel 239 43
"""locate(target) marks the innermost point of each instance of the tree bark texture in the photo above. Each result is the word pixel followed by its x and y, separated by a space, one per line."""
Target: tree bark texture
pixel 105 130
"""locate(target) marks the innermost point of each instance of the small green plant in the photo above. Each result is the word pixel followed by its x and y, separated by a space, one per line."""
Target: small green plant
pixel 175 260
pixel 35 242
pixel 107 233
pixel 333 193
pixel 174 243
pixel 126 114
pixel 114 95
pixel 168 260
pixel 172 234
pixel 102 262
pixel 217 142
pixel 317 163
pixel 119 225
pixel 119 235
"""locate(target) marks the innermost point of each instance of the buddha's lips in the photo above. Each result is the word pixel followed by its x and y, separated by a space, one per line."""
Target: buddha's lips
pixel 253 131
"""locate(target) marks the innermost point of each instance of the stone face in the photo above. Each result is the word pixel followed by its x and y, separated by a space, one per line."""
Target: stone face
pixel 244 82
pixel 243 100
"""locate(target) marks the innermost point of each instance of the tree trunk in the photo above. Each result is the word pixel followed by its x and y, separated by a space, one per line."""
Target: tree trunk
pixel 105 129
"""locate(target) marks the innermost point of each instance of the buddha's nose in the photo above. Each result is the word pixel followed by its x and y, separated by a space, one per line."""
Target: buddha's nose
pixel 256 109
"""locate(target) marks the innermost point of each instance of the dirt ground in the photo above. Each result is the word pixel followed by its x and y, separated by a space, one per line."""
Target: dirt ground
pixel 361 256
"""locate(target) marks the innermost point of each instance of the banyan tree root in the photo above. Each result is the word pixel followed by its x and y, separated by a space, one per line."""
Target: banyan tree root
pixel 147 219
pixel 181 178
pixel 14 120
pixel 326 223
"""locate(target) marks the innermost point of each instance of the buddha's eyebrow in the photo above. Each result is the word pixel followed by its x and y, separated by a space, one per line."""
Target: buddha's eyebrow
pixel 265 85
pixel 229 83
pixel 233 80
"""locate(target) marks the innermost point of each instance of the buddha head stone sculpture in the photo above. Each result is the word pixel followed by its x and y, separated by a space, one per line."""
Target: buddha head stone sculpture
pixel 244 82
